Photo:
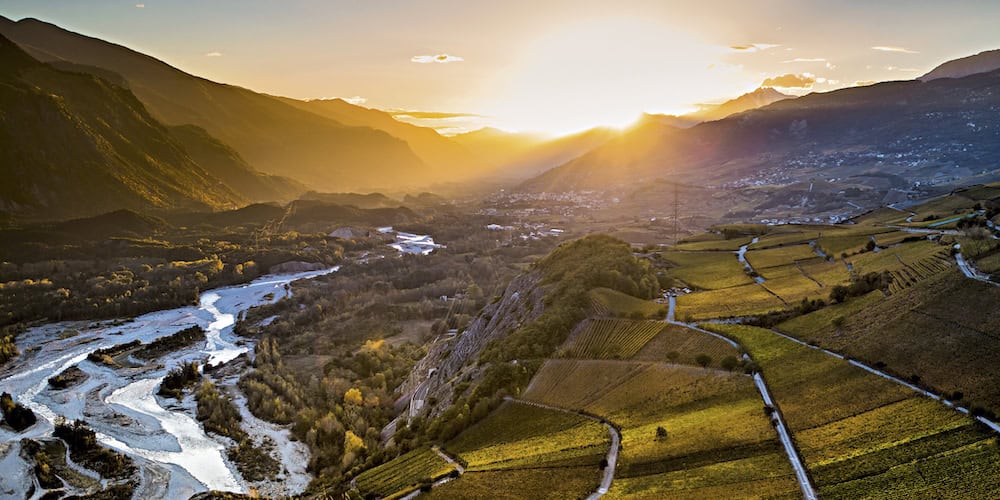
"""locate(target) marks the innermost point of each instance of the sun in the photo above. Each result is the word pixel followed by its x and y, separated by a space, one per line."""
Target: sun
pixel 607 72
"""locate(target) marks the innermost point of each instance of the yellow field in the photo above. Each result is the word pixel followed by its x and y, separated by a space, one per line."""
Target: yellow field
pixel 687 343
pixel 403 473
pixel 761 476
pixel 610 338
pixel 718 438
pixel 861 435
pixel 730 302
pixel 620 304
pixel 821 323
pixel 827 273
pixel 943 330
pixel 575 384
pixel 518 435
pixel 909 263
pixel 779 256
pixel 788 235
pixel 791 284
pixel 707 270
pixel 713 244
pixel 562 483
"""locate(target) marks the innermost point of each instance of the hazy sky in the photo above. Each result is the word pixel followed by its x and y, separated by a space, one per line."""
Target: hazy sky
pixel 548 65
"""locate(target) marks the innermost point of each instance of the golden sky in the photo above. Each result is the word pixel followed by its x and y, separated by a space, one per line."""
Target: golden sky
pixel 553 66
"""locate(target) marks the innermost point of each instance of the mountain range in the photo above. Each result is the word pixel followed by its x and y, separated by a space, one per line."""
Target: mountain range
pixel 91 126
pixel 943 130
pixel 75 144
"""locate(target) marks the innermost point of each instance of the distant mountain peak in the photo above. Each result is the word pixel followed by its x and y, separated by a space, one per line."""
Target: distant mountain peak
pixel 983 62
pixel 760 97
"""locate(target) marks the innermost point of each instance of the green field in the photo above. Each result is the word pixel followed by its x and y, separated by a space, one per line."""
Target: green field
pixel 864 436
pixel 403 474
pixel 779 256
pixel 609 338
pixel 518 436
pixel 562 483
pixel 608 301
pixel 825 272
pixel 714 243
pixel 883 215
pixel 719 439
pixel 941 208
pixel 788 235
pixel 707 270
pixel 744 300
pixel 943 330
pixel 909 264
pixel 981 192
pixel 795 286
pixel 893 238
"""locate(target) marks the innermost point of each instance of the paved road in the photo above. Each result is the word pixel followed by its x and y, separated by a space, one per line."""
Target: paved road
pixel 612 458
pixel 784 435
pixel 970 271
pixel 874 371
pixel 741 255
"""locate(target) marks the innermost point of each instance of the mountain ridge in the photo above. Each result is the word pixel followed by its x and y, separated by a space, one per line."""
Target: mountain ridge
pixel 269 134
pixel 74 144
pixel 792 137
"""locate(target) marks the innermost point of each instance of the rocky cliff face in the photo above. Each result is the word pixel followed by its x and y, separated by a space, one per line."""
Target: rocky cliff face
pixel 430 388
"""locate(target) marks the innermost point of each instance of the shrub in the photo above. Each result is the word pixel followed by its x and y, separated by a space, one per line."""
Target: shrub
pixel 703 360
pixel 729 363
pixel 17 416
pixel 661 433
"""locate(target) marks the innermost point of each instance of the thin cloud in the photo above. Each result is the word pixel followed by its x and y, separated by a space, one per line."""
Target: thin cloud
pixel 140 6
pixel 356 100
pixel 892 48
pixel 790 81
pixel 432 115
pixel 437 58
pixel 905 70
pixel 805 60
pixel 753 47
pixel 213 54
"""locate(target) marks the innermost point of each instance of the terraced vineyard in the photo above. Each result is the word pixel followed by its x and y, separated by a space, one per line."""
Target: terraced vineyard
pixel 909 264
pixel 608 301
pixel 713 243
pixel 610 338
pixel 687 344
pixel 942 330
pixel 892 238
pixel 707 270
pixel 761 260
pixel 941 208
pixel 544 484
pixel 792 285
pixel 863 436
pixel 403 474
pixel 576 384
pixel 826 273
pixel 519 436
pixel 788 235
pixel 719 442
pixel 728 302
